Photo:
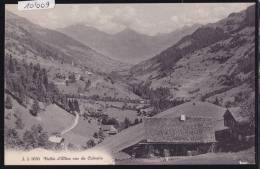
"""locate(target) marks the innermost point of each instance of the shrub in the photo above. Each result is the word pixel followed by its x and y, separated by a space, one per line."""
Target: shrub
pixel 87 84
pixel 35 108
pixel 127 123
pixel 35 137
pixel 90 143
pixel 81 78
pixel 216 102
pixel 19 124
pixel 72 78
pixel 95 135
pixel 12 139
pixel 71 146
pixel 8 103
pixel 136 121
pixel 248 108
pixel 30 141
pixel 101 135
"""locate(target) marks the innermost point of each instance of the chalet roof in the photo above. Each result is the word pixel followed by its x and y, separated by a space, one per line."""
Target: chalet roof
pixel 107 127
pixel 236 112
pixel 113 130
pixel 192 130
pixel 55 139
pixel 136 133
pixel 148 109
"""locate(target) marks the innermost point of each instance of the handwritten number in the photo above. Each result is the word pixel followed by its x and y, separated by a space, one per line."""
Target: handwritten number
pixel 26 6
pixel 37 5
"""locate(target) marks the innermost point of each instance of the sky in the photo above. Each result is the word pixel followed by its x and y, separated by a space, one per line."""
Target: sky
pixel 148 19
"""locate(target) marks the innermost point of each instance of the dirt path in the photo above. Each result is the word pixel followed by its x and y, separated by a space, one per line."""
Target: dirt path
pixel 72 126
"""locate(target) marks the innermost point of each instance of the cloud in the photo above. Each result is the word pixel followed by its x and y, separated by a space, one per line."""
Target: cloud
pixel 126 16
pixel 52 16
pixel 94 13
pixel 144 18
pixel 74 10
pixel 175 19
pixel 99 19
pixel 114 21
pixel 130 17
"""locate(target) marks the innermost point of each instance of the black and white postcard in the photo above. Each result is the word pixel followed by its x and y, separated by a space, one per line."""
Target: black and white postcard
pixel 130 84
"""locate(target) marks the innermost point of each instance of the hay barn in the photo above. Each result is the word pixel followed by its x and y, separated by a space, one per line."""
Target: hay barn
pixel 191 133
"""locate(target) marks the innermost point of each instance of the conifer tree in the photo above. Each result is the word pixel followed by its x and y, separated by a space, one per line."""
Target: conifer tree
pixel 11 65
pixel 35 108
pixel 8 103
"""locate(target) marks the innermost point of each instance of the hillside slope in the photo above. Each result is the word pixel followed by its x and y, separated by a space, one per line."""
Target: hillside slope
pixel 53 119
pixel 28 40
pixel 217 60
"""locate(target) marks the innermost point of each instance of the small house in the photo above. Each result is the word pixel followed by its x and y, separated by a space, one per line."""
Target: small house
pixel 142 102
pixel 42 106
pixel 77 76
pixel 147 111
pixel 237 125
pixel 109 129
pixel 88 73
pixel 56 139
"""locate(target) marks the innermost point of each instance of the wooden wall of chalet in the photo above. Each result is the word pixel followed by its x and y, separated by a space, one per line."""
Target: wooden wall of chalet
pixel 150 150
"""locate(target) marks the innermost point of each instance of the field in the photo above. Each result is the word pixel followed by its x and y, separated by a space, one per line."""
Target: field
pixel 121 114
pixel 53 120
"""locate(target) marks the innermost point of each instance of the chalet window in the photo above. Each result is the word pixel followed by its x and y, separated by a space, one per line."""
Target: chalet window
pixel 227 122
pixel 231 123
pixel 240 137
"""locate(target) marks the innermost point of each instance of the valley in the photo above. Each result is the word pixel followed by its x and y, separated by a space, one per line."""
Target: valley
pixel 76 85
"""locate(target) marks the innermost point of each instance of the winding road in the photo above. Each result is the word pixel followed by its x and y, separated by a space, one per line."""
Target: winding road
pixel 72 126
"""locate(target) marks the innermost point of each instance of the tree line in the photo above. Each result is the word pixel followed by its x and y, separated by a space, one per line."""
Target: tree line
pixel 159 97
pixel 30 81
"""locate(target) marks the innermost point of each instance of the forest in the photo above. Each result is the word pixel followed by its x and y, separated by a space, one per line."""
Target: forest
pixel 159 97
pixel 34 84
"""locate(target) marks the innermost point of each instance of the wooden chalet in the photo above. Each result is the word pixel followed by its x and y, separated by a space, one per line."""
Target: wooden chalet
pixel 56 141
pixel 192 132
pixel 175 137
pixel 236 128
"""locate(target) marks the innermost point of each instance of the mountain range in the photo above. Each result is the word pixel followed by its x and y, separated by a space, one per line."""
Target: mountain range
pixel 127 46
pixel 217 60
pixel 24 38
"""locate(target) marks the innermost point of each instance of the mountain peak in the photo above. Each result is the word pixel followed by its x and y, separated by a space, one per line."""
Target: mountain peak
pixel 128 31
pixel 84 28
